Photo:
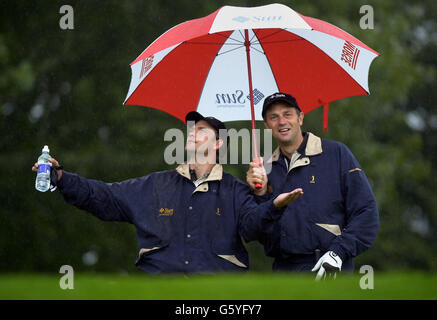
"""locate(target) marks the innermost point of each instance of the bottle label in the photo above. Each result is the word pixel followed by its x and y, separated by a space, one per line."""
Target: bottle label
pixel 44 168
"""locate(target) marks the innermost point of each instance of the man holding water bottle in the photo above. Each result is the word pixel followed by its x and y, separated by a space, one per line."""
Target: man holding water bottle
pixel 42 182
pixel 190 219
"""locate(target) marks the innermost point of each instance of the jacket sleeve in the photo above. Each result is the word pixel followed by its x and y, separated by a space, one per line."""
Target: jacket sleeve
pixel 106 201
pixel 254 219
pixel 362 218
pixel 260 199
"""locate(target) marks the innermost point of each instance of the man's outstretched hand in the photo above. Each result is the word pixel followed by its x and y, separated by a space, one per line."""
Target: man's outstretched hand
pixel 286 198
pixel 54 163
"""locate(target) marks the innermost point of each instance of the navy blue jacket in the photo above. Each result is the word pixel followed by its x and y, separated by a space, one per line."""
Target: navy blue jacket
pixel 337 211
pixel 180 227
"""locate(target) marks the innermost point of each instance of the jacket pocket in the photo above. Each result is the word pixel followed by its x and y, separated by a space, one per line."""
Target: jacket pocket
pixel 144 252
pixel 233 259
pixel 333 228
pixel 325 234
pixel 230 255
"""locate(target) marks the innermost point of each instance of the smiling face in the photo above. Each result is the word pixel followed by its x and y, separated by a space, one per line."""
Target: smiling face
pixel 285 123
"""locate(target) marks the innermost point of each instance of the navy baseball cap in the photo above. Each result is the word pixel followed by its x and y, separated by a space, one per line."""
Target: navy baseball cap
pixel 213 122
pixel 279 97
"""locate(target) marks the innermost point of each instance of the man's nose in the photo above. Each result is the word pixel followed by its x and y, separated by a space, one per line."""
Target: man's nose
pixel 282 120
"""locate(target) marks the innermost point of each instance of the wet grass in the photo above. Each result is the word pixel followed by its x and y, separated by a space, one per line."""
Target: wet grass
pixel 250 286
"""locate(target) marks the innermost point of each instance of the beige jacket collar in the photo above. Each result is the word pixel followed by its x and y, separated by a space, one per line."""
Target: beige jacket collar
pixel 216 172
pixel 313 147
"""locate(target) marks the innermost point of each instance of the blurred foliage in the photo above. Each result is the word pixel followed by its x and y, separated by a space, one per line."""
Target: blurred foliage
pixel 65 88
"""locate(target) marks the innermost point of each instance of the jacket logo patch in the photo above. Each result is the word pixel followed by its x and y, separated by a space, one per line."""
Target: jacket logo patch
pixel 356 169
pixel 218 211
pixel 165 212
pixel 312 180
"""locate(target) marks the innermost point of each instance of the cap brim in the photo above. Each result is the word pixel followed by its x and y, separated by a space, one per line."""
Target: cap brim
pixel 269 104
pixel 193 116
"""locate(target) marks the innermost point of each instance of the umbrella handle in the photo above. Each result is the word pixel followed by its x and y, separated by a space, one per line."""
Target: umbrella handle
pixel 258 185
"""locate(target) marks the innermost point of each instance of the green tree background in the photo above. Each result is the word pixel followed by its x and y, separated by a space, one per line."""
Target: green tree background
pixel 65 88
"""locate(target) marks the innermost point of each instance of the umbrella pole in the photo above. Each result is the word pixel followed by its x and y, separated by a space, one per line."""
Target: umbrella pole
pixel 252 108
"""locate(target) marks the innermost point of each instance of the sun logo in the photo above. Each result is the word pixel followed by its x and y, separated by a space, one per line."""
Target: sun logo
pixel 166 212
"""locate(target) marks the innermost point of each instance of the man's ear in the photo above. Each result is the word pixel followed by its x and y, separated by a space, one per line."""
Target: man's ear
pixel 218 144
pixel 266 125
pixel 301 116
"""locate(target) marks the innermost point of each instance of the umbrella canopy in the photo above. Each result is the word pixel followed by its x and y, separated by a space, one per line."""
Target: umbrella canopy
pixel 208 64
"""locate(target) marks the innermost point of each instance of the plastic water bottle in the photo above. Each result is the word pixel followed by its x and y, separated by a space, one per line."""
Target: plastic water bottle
pixel 42 182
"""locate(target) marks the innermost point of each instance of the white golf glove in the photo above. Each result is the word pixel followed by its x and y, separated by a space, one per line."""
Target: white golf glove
pixel 329 263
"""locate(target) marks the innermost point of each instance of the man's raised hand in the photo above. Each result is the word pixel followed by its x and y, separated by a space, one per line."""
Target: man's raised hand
pixel 257 174
pixel 286 198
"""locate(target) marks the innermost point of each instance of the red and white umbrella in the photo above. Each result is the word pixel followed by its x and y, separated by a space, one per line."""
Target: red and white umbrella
pixel 216 63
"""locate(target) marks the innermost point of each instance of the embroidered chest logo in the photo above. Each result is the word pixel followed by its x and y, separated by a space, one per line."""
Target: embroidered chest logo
pixel 313 180
pixel 165 212
pixel 218 211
